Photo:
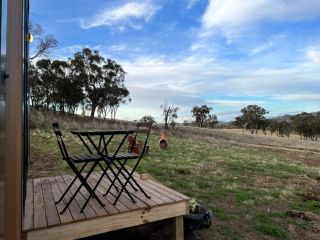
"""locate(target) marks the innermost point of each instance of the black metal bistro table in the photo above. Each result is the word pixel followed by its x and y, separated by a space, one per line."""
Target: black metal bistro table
pixel 98 141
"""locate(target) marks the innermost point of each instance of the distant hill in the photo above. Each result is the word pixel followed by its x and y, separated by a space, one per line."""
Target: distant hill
pixel 287 117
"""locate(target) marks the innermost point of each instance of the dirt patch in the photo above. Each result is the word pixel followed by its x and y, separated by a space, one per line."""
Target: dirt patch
pixel 269 182
pixel 314 219
pixel 298 214
pixel 310 196
pixel 278 148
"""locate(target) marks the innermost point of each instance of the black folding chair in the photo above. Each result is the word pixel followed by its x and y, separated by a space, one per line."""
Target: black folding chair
pixel 120 159
pixel 72 161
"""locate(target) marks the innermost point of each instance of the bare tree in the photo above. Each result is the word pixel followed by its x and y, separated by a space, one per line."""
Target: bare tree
pixel 169 113
pixel 43 43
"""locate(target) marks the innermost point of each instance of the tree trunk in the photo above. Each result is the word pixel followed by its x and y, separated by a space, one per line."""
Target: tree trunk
pixel 93 110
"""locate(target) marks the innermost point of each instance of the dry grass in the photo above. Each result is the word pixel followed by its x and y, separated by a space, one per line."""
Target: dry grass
pixel 238 137
pixel 43 120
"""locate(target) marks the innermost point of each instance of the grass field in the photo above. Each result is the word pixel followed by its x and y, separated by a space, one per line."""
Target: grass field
pixel 256 192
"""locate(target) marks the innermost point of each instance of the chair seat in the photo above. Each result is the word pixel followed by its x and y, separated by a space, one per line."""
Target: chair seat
pixel 123 155
pixel 84 157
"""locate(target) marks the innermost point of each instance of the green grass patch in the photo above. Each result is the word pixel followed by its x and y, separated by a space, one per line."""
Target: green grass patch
pixel 239 183
pixel 272 230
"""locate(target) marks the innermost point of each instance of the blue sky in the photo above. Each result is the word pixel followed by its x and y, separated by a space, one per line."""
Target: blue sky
pixel 223 53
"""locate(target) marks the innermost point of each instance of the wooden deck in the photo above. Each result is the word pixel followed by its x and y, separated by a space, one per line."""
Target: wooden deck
pixel 43 221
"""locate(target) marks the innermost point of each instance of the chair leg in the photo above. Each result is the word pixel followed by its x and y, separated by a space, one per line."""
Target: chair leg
pixel 83 181
pixel 94 189
pixel 127 181
pixel 137 184
pixel 119 169
pixel 105 172
pixel 132 178
pixel 68 188
pixel 116 178
pixel 123 188
pixel 90 190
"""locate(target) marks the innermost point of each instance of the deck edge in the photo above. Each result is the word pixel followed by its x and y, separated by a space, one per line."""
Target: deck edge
pixel 110 223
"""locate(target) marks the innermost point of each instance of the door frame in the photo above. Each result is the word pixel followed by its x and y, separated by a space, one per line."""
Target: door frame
pixel 14 116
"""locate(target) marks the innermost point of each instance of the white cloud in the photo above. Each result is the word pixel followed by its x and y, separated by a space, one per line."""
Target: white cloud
pixel 193 76
pixel 232 17
pixel 234 103
pixel 300 96
pixel 66 52
pixel 191 3
pixel 127 15
pixel 260 48
pixel 313 54
pixel 118 47
pixel 193 81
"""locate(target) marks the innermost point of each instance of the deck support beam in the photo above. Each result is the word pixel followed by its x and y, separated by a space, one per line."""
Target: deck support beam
pixel 114 222
pixel 178 228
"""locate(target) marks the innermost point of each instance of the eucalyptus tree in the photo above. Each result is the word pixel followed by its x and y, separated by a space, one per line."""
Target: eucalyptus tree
pixel 120 95
pixel 86 68
pixel 307 125
pixel 252 117
pixel 147 119
pixel 203 117
pixel 212 120
pixel 68 89
pixel 103 81
pixel 116 92
pixel 36 93
pixel 44 79
pixel 281 128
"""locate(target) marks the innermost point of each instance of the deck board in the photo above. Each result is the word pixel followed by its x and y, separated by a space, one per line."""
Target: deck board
pixel 28 219
pixel 74 207
pixel 100 211
pixel 52 214
pixel 66 217
pixel 141 202
pixel 39 216
pixel 124 202
pixel 43 220
pixel 88 211
pixel 147 202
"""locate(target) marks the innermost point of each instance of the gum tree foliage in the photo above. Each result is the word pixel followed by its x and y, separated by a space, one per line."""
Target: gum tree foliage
pixel 42 43
pixel 36 94
pixel 45 82
pixel 86 80
pixel 169 114
pixel 203 117
pixel 52 86
pixel 68 94
pixel 280 128
pixel 103 81
pixel 212 121
pixel 307 125
pixel 147 119
pixel 252 118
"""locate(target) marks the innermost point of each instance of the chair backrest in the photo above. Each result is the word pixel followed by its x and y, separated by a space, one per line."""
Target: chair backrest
pixel 143 131
pixel 60 141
